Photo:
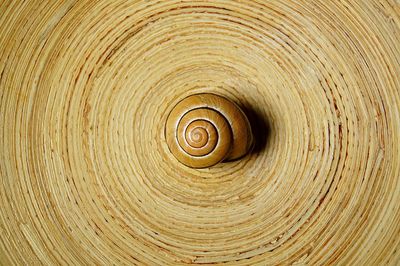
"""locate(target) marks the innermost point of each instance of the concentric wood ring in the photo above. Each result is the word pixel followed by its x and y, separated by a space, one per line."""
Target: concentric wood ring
pixel 86 176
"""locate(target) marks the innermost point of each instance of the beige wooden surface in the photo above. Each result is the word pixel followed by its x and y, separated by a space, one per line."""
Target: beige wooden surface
pixel 86 175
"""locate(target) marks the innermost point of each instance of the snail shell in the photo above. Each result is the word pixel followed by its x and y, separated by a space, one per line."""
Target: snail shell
pixel 205 129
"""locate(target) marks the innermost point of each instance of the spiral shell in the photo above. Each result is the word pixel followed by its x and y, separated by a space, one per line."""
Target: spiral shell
pixel 204 129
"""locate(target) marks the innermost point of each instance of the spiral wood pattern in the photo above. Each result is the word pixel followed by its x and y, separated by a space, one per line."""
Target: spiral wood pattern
pixel 204 129
pixel 86 174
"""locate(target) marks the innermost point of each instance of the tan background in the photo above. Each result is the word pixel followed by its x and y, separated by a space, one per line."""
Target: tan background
pixel 86 176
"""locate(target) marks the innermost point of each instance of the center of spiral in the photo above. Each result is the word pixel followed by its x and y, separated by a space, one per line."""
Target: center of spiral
pixel 198 137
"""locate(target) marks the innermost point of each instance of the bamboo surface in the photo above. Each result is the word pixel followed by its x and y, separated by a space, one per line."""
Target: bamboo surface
pixel 86 175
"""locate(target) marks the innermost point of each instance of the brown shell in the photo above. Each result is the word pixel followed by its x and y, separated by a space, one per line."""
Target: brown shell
pixel 222 129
